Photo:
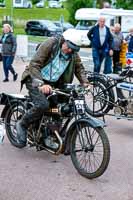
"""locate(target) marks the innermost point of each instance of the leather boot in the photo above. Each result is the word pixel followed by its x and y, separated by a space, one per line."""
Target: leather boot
pixel 21 132
pixel 22 125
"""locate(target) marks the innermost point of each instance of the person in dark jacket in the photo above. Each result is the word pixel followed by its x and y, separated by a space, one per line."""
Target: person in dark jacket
pixel 102 45
pixel 129 40
pixel 8 51
pixel 55 62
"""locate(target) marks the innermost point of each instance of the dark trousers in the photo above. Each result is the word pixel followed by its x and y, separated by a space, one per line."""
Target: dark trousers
pixel 41 104
pixel 98 56
pixel 116 60
pixel 7 65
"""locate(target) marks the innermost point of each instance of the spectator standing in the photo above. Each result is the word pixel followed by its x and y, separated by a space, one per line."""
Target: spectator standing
pixel 108 59
pixel 102 45
pixel 129 40
pixel 112 29
pixel 8 50
pixel 118 40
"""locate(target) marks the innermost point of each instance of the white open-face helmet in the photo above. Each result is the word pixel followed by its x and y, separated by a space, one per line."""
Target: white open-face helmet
pixel 71 40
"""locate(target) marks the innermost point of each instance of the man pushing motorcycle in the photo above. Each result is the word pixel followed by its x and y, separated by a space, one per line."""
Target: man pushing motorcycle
pixel 55 62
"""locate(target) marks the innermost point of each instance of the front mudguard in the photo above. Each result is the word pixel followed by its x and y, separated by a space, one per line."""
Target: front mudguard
pixel 91 121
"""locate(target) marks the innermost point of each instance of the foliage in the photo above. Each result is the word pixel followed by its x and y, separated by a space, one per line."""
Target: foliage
pixel 73 5
pixel 1 1
pixel 100 3
pixel 128 4
pixel 35 1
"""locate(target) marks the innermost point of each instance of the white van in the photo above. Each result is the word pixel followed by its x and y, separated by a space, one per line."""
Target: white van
pixel 87 17
pixel 22 4
pixel 121 16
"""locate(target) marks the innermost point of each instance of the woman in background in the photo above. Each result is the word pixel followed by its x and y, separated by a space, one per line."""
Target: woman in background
pixel 8 51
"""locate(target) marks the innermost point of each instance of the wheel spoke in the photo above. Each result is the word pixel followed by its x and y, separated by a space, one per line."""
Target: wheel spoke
pixel 14 113
pixel 88 151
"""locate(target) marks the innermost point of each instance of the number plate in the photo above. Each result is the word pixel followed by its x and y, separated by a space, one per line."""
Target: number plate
pixel 80 106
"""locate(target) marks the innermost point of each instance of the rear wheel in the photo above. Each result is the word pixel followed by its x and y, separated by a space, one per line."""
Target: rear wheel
pixel 15 113
pixel 90 150
pixel 99 100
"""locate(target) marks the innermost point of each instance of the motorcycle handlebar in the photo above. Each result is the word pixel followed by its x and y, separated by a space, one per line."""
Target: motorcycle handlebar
pixel 79 88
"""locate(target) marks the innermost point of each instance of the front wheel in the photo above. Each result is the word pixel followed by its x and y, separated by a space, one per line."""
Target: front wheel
pixel 90 150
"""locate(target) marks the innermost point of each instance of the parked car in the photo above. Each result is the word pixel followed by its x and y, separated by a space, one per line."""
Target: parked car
pixel 66 25
pixel 22 4
pixel 40 4
pixel 41 27
pixel 54 4
pixel 2 3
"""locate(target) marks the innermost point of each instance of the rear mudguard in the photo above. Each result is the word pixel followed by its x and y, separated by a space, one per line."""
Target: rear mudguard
pixel 6 107
pixel 4 111
pixel 92 122
pixel 9 99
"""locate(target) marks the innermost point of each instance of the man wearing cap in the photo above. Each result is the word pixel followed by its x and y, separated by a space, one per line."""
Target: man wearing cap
pixel 55 63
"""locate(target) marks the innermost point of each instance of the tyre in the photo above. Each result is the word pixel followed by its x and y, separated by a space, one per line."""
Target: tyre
pixel 28 32
pixel 14 113
pixel 90 150
pixel 45 33
pixel 99 101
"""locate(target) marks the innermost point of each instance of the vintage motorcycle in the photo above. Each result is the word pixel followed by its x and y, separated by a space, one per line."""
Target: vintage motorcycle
pixel 112 91
pixel 65 128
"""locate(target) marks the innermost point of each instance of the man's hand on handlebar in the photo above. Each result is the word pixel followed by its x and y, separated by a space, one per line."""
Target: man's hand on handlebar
pixel 45 89
pixel 87 85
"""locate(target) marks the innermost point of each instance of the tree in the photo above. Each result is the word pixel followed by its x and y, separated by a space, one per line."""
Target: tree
pixel 73 5
pixel 101 3
pixel 35 1
pixel 128 4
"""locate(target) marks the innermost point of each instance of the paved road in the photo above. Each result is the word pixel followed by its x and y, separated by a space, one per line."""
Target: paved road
pixel 29 175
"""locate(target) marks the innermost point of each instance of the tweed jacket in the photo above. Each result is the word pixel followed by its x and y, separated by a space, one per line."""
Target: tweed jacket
pixel 44 55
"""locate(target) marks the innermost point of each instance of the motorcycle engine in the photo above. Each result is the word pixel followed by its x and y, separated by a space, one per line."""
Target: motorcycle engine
pixel 51 125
